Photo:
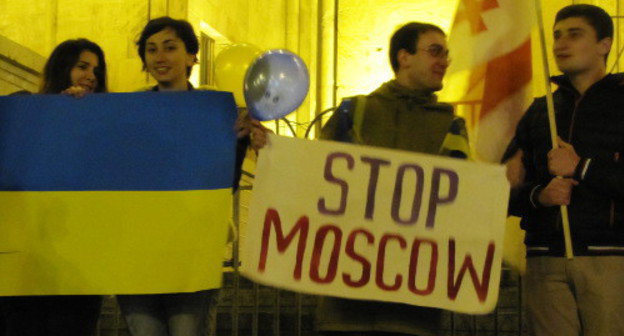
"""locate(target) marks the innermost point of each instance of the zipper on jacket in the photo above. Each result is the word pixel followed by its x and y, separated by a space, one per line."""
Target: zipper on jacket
pixel 616 158
pixel 558 224
pixel 573 118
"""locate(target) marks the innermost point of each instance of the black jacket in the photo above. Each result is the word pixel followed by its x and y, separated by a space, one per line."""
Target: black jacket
pixel 594 125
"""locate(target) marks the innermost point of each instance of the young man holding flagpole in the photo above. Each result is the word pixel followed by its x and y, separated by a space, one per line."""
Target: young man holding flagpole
pixel 583 295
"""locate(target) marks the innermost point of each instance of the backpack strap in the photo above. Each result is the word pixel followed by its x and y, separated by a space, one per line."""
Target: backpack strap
pixel 339 126
pixel 346 123
pixel 358 117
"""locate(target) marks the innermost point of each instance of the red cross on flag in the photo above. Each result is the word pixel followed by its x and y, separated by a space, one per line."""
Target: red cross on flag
pixel 490 74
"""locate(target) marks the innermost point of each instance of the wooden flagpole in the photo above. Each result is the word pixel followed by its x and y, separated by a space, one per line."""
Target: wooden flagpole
pixel 553 125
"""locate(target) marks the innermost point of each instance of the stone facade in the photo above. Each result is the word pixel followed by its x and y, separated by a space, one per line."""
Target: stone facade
pixel 20 67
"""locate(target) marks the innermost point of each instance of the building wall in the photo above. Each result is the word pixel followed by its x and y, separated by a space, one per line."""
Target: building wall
pixel 115 25
pixel 278 24
pixel 303 26
pixel 43 24
pixel 350 60
pixel 364 30
pixel 30 26
pixel 18 75
pixel 257 22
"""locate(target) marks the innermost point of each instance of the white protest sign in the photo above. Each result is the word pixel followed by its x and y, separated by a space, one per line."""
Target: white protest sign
pixel 376 224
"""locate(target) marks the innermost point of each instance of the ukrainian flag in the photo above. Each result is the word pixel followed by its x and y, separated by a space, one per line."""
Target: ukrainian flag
pixel 115 193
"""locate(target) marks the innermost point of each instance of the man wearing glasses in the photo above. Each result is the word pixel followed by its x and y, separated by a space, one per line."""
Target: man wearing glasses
pixel 403 113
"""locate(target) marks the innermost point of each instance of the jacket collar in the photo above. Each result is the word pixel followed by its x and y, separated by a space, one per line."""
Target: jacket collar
pixel 392 89
pixel 188 84
pixel 563 82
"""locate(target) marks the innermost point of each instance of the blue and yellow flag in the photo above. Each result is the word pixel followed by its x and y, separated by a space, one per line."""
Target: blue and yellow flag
pixel 115 193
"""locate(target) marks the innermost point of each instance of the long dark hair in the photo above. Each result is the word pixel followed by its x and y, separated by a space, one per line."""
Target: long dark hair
pixel 56 73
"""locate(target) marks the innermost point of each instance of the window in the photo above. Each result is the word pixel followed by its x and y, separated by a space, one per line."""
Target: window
pixel 206 60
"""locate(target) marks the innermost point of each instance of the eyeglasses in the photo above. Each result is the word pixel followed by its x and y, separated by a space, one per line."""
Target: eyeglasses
pixel 436 51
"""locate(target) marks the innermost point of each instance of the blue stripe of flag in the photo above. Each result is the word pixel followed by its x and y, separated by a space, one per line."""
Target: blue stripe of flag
pixel 124 141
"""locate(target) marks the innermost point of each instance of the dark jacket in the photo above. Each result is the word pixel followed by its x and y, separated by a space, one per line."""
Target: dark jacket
pixel 594 125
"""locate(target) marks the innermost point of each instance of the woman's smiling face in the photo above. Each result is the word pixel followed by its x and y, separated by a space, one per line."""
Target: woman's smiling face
pixel 83 72
pixel 167 59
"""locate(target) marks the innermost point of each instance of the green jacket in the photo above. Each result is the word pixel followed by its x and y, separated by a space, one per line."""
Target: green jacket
pixel 393 117
pixel 396 117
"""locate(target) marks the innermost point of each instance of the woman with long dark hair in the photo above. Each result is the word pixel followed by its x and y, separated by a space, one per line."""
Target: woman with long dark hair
pixel 75 67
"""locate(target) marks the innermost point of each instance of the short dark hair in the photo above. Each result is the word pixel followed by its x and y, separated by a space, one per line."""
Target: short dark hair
pixel 594 15
pixel 406 38
pixel 57 70
pixel 183 29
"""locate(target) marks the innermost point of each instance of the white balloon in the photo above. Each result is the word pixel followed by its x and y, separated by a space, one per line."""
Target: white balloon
pixel 276 84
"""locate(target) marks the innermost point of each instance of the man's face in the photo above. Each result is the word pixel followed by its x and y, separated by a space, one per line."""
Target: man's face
pixel 425 68
pixel 576 48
